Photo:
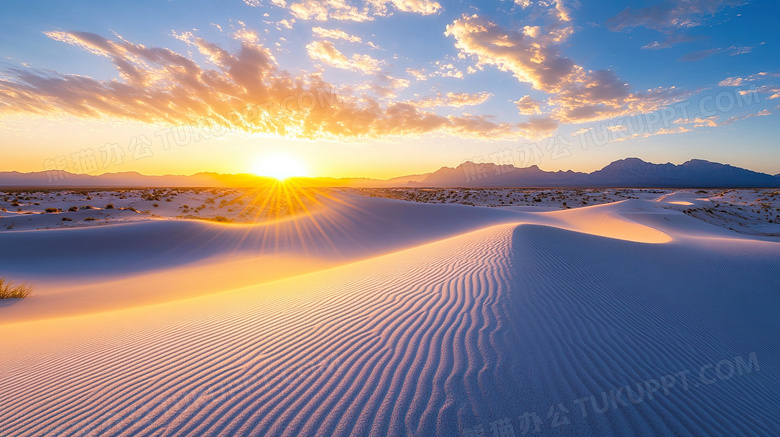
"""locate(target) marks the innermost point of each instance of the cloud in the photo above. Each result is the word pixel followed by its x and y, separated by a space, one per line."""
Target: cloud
pixel 623 135
pixel 335 34
pixel 386 86
pixel 701 54
pixel 455 100
pixel 418 74
pixel 562 11
pixel 576 95
pixel 243 90
pixel 438 69
pixel 324 10
pixel 699 122
pixel 713 121
pixel 740 50
pixel 625 130
pixel 670 15
pixel 762 113
pixel 539 126
pixel 528 106
pixel 737 81
pixel 698 55
pixel 530 59
pixel 258 3
pixel 773 90
pixel 671 40
pixel 287 24
pixel 326 52
pixel 554 8
pixel 423 7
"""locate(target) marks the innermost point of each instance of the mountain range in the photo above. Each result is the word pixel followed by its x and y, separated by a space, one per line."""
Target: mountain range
pixel 629 172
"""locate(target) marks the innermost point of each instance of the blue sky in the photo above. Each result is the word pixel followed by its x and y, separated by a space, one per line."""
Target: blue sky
pixel 417 83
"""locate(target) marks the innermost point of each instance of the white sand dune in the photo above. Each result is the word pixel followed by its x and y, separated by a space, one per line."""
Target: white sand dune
pixel 156 261
pixel 498 315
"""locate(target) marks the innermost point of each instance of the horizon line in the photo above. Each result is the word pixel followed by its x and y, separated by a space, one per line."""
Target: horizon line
pixel 374 178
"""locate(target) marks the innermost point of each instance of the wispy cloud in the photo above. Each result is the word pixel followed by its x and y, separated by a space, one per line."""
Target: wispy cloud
pixel 713 121
pixel 737 81
pixel 701 54
pixel 455 100
pixel 437 69
pixel 671 40
pixel 324 10
pixel 772 90
pixel 539 126
pixel 670 17
pixel 335 34
pixel 327 52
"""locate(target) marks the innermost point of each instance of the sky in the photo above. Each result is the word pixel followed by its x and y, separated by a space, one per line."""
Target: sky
pixel 385 88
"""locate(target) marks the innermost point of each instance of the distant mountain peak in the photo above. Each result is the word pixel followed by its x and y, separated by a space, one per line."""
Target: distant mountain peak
pixel 701 162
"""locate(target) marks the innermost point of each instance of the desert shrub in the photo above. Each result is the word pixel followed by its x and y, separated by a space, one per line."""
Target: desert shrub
pixel 155 205
pixel 86 207
pixel 110 206
pixel 73 208
pixel 52 209
pixel 65 219
pixel 10 291
pixel 90 219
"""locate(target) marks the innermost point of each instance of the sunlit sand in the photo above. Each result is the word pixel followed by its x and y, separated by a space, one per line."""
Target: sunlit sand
pixel 361 315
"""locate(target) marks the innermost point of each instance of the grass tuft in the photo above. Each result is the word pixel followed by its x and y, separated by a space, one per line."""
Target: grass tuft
pixel 10 291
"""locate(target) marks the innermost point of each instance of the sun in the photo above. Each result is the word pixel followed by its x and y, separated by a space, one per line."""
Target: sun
pixel 280 167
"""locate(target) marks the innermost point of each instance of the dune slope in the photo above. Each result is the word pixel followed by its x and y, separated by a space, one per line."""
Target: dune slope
pixel 473 333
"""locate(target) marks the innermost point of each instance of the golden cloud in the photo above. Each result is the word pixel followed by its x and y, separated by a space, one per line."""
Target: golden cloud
pixel 528 106
pixel 326 52
pixel 576 95
pixel 455 100
pixel 335 34
pixel 244 90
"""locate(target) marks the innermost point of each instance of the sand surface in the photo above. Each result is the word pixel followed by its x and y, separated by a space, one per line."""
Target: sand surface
pixel 644 315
